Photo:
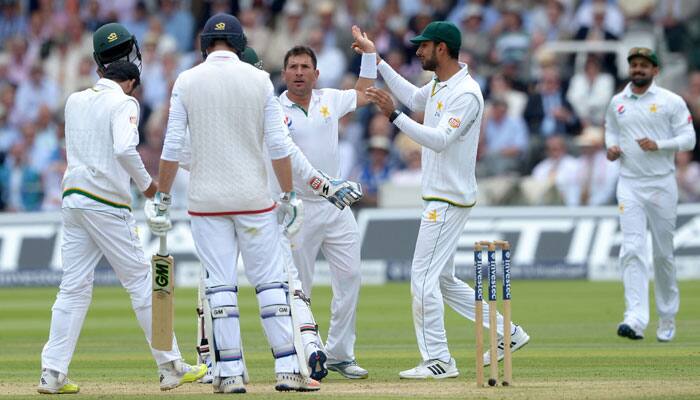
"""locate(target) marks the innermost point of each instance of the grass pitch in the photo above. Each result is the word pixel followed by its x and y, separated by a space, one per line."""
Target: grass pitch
pixel 573 353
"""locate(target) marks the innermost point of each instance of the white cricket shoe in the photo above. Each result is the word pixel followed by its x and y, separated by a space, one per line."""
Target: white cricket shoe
pixel 175 373
pixel 517 340
pixel 666 330
pixel 209 376
pixel 288 381
pixel 435 369
pixel 54 382
pixel 231 384
pixel 349 369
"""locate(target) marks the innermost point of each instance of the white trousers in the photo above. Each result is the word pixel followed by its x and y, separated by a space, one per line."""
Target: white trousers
pixel 256 237
pixel 433 279
pixel 87 236
pixel 648 202
pixel 336 234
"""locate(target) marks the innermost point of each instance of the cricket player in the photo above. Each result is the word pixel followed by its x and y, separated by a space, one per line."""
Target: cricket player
pixel 453 107
pixel 344 193
pixel 230 109
pixel 645 126
pixel 101 139
pixel 312 117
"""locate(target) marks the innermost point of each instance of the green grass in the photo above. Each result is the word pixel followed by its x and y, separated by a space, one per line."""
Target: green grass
pixel 573 353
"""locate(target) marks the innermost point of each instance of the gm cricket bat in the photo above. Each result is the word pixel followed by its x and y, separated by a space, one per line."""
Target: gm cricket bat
pixel 163 295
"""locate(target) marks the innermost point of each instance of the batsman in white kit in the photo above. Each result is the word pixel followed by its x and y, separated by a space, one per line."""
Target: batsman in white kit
pixel 312 117
pixel 453 107
pixel 645 126
pixel 230 110
pixel 101 138
pixel 340 193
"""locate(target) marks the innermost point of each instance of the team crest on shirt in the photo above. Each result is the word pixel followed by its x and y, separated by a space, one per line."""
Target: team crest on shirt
pixel 325 112
pixel 287 121
pixel 438 108
pixel 620 109
pixel 454 122
pixel 653 108
pixel 132 120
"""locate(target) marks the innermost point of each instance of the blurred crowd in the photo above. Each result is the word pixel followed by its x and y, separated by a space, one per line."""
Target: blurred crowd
pixel 542 137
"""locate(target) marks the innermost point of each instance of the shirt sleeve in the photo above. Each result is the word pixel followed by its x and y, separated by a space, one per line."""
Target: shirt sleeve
pixel 125 136
pixel 456 121
pixel 186 152
pixel 612 131
pixel 683 132
pixel 345 101
pixel 276 135
pixel 412 97
pixel 177 125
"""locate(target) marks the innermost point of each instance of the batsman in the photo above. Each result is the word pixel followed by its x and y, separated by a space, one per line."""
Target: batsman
pixel 101 139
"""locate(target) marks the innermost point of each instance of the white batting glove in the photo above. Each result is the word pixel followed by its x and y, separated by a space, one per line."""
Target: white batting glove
pixel 290 213
pixel 157 214
pixel 339 192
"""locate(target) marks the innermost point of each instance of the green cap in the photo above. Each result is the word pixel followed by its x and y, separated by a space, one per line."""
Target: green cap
pixel 441 31
pixel 643 52
pixel 251 57
pixel 112 42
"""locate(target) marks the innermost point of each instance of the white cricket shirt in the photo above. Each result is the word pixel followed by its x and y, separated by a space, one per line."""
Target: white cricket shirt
pixel 449 135
pixel 315 131
pixel 658 114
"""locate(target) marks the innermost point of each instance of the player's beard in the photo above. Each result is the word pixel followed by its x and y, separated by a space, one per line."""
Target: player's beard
pixel 641 81
pixel 430 64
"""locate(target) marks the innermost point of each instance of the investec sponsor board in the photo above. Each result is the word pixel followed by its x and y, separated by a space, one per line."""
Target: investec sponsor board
pixel 548 242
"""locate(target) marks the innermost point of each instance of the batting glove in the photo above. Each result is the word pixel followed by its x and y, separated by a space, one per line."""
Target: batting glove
pixel 157 215
pixel 290 213
pixel 339 192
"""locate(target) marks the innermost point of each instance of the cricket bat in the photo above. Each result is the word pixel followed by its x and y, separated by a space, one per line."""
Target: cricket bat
pixel 163 295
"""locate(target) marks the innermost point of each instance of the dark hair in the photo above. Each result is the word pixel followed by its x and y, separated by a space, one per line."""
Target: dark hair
pixel 298 51
pixel 120 71
pixel 453 53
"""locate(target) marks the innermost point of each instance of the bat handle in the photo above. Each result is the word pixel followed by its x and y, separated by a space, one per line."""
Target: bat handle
pixel 163 251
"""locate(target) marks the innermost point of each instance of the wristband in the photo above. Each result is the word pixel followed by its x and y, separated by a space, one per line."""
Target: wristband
pixel 368 66
pixel 394 114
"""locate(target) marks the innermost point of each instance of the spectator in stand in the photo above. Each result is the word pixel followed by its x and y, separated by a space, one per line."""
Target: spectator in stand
pixel 178 22
pixel 20 184
pixel 375 170
pixel 612 20
pixel 594 179
pixel 12 22
pixel 547 111
pixel 501 87
pixel 598 29
pixel 590 92
pixel 688 177
pixel 512 42
pixel 475 37
pixel 330 60
pixel 152 147
pixel 289 31
pixel 334 36
pixel 21 59
pixel 138 24
pixel 669 14
pixel 549 175
pixel 410 152
pixel 692 94
pixel 505 140
pixel 38 90
pixel 256 32
pixel 9 135
pixel 550 22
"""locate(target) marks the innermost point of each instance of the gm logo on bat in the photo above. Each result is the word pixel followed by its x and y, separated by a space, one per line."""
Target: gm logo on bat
pixel 162 278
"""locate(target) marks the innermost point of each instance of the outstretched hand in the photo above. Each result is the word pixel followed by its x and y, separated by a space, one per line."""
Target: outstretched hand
pixel 362 44
pixel 382 99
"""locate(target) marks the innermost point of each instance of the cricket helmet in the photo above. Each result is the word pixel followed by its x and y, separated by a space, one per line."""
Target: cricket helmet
pixel 112 42
pixel 225 27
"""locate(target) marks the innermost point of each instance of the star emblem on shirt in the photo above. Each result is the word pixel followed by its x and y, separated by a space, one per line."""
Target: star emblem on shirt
pixel 325 112
pixel 432 216
pixel 439 106
pixel 653 108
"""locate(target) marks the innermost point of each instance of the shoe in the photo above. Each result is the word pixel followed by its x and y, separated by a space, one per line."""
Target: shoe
pixel 54 382
pixel 231 384
pixel 317 365
pixel 626 330
pixel 517 340
pixel 349 369
pixel 435 369
pixel 666 330
pixel 209 376
pixel 175 373
pixel 287 382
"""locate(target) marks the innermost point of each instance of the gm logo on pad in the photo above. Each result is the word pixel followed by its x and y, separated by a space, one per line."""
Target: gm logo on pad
pixel 112 37
pixel 220 26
